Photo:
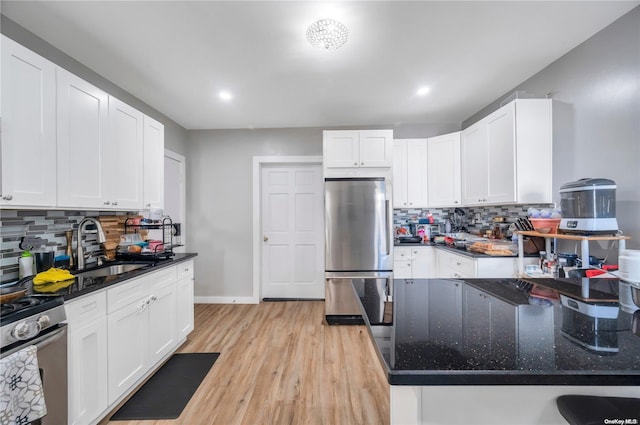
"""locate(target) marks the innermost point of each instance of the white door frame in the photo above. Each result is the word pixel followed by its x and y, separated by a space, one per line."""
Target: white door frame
pixel 258 163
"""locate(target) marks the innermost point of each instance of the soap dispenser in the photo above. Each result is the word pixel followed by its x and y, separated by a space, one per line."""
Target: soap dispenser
pixel 25 265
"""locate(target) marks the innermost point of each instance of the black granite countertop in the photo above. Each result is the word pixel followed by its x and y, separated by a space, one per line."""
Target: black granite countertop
pixel 510 332
pixel 84 286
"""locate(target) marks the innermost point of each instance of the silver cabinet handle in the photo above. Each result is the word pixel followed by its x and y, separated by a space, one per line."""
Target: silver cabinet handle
pixel 362 163
pixel 7 197
pixel 355 163
pixel 115 203
pixel 107 203
pixel 265 238
pixel 148 205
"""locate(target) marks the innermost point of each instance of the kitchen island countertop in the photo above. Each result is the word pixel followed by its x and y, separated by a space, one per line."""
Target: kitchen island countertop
pixel 509 332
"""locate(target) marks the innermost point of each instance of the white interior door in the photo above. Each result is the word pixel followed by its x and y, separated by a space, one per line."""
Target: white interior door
pixel 292 220
pixel 174 194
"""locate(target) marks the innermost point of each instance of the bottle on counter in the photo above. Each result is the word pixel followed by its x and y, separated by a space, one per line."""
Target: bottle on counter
pixel 25 264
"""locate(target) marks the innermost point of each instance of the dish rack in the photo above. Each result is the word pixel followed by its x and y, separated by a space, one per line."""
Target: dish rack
pixel 162 252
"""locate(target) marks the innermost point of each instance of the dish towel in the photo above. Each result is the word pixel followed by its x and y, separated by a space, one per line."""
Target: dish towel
pixel 52 275
pixel 21 391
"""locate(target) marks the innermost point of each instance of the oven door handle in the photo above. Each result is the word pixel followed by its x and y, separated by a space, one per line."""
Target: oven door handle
pixel 40 342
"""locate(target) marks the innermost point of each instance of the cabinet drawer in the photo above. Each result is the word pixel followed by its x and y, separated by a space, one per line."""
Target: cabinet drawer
pixel 87 308
pixel 185 270
pixel 465 267
pixel 162 278
pixel 128 292
pixel 401 253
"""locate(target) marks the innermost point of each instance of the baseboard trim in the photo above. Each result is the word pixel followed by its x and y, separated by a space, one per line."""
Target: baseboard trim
pixel 226 300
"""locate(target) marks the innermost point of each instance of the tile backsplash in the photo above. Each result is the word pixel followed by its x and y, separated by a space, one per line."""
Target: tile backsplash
pixel 50 226
pixel 476 218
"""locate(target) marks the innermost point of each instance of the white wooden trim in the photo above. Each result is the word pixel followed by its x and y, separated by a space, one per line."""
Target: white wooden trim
pixel 226 300
pixel 258 163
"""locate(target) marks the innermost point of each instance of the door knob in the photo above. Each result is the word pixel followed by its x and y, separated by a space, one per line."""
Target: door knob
pixel 265 238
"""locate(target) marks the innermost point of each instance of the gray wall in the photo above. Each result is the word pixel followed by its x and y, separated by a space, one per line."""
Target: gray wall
pixel 175 135
pixel 220 197
pixel 596 92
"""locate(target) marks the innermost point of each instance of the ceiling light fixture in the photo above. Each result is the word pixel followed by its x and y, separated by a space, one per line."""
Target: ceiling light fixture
pixel 327 34
pixel 423 91
pixel 225 95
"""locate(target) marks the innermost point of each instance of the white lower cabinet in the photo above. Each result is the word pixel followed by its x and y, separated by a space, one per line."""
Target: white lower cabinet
pixel 413 262
pixel 143 331
pixel 460 266
pixel 87 358
pixel 185 298
pixel 118 336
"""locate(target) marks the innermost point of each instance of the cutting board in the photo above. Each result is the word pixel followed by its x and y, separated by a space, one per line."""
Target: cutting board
pixel 113 227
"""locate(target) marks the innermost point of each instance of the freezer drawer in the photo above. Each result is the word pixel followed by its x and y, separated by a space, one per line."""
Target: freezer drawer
pixel 347 298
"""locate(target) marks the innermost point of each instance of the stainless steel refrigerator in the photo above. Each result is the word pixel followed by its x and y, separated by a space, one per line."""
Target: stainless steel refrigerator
pixel 358 249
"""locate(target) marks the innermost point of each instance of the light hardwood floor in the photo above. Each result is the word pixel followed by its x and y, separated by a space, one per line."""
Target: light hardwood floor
pixel 281 364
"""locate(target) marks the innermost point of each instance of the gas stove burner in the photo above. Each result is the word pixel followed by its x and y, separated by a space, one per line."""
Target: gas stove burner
pixel 7 308
pixel 26 302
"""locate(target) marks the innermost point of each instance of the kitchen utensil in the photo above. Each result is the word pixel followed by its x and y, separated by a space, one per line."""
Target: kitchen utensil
pixel 9 294
pixel 401 239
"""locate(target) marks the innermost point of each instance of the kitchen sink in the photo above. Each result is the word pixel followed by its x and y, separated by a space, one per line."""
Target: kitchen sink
pixel 111 270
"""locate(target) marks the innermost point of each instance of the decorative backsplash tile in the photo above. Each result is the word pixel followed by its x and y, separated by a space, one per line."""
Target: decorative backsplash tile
pixel 476 218
pixel 50 226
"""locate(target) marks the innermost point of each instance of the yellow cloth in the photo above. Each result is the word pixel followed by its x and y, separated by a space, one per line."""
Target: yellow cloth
pixel 52 275
pixel 52 286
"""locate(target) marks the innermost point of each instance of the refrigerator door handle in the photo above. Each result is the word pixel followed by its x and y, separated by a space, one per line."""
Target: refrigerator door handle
pixel 387 227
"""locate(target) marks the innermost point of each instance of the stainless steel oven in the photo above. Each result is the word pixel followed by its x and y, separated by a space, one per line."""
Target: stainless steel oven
pixel 37 320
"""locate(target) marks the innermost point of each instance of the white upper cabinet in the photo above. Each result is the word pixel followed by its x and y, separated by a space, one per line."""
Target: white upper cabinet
pixel 410 173
pixel 474 168
pixel 507 156
pixel 83 118
pixel 443 168
pixel 28 127
pixel 358 148
pixel 153 166
pixel 125 155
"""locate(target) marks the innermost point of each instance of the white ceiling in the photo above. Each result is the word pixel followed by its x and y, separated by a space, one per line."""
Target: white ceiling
pixel 177 55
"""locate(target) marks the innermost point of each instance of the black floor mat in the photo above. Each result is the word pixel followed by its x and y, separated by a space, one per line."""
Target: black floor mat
pixel 168 391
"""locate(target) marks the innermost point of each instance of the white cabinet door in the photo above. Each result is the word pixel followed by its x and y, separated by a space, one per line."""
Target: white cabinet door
pixel 443 169
pixel 475 171
pixel 28 148
pixel 358 148
pixel 185 299
pixel 153 164
pixel 341 149
pixel 82 117
pixel 87 371
pixel 128 346
pixel 376 148
pixel 163 318
pixel 417 196
pixel 410 173
pixel 423 262
pixel 87 357
pixel 501 155
pixel 125 155
pixel 399 173
pixel 402 267
pixel 450 265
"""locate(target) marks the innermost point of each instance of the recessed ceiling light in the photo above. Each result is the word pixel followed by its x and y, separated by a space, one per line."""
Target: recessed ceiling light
pixel 423 91
pixel 225 95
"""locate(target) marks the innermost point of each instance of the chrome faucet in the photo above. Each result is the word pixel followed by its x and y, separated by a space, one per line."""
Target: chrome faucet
pixel 79 249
